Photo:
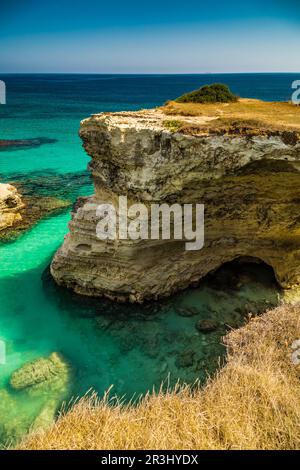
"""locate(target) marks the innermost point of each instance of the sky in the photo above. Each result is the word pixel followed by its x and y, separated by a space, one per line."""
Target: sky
pixel 161 36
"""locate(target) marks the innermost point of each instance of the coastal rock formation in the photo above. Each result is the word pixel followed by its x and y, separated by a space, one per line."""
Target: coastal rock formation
pixel 11 206
pixel 249 182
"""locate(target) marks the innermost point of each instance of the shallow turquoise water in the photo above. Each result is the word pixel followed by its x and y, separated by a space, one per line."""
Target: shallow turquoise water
pixel 132 348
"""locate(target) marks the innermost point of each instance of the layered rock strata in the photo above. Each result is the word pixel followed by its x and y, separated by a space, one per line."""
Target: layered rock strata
pixel 249 184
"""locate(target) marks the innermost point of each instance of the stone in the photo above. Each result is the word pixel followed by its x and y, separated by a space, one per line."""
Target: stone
pixel 46 417
pixel 25 143
pixel 151 347
pixel 13 425
pixel 41 372
pixel 11 206
pixel 187 311
pixel 248 182
pixel 207 326
pixel 185 359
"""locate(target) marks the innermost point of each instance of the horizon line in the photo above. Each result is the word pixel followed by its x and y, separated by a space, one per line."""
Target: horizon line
pixel 149 73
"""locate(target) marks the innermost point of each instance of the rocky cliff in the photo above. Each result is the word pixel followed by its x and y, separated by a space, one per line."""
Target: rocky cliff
pixel 11 206
pixel 248 181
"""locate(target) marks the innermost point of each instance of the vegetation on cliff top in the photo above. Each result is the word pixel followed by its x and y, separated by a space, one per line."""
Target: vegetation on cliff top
pixel 245 117
pixel 253 402
pixel 216 93
pixel 173 125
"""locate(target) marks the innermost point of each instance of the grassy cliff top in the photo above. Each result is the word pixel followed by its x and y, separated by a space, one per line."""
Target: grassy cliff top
pixel 245 117
pixel 241 117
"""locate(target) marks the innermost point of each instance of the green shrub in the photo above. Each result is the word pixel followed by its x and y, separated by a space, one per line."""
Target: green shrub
pixel 173 125
pixel 216 93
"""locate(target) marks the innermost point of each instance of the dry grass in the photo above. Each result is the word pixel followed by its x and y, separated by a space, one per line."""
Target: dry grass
pixel 276 116
pixel 252 403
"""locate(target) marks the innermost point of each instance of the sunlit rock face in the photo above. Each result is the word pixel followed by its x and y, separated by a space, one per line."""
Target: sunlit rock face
pixel 250 186
pixel 11 206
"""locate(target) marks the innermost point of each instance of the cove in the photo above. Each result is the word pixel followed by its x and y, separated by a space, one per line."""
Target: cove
pixel 133 348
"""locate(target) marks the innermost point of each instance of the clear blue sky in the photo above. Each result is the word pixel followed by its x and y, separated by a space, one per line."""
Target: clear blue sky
pixel 161 36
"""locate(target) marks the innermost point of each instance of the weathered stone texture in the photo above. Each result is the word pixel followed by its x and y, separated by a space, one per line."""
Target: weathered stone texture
pixel 250 187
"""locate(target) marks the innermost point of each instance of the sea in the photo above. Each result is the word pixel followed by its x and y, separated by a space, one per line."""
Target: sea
pixel 126 349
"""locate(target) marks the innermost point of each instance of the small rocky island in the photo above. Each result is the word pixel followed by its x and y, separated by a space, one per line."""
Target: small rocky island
pixel 240 159
pixel 11 206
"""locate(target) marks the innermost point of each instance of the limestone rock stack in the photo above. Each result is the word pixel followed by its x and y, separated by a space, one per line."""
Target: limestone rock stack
pixel 250 186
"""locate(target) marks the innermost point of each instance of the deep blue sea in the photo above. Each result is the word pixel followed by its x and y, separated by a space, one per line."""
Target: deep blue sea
pixel 132 348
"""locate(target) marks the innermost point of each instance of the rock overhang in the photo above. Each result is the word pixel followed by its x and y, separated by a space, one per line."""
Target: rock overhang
pixel 248 184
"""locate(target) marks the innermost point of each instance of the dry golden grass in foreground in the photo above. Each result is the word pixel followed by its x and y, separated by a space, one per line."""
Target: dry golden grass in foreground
pixel 256 114
pixel 252 403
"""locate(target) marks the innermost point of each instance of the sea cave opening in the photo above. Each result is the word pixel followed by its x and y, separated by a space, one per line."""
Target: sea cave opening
pixel 238 272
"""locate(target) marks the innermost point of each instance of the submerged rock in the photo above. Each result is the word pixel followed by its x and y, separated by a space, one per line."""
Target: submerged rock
pixel 186 358
pixel 46 416
pixel 13 425
pixel 51 183
pixel 36 394
pixel 207 326
pixel 43 371
pixel 25 143
pixel 151 346
pixel 187 311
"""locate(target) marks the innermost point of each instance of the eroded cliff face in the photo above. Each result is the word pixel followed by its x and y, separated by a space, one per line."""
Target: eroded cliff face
pixel 250 186
pixel 11 206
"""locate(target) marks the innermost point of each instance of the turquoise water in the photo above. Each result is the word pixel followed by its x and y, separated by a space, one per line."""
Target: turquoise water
pixel 133 348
